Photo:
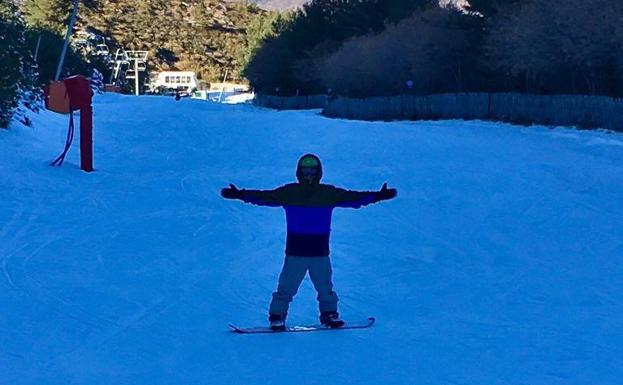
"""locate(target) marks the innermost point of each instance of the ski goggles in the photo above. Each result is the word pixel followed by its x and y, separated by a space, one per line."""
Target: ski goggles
pixel 308 171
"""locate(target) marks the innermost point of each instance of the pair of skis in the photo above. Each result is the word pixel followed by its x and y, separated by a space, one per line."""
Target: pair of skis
pixel 302 328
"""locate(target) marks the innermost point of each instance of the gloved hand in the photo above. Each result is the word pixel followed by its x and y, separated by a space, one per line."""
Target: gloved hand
pixel 386 193
pixel 231 192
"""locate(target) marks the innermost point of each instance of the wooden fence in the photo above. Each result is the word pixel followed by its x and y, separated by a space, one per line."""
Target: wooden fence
pixel 306 102
pixel 556 110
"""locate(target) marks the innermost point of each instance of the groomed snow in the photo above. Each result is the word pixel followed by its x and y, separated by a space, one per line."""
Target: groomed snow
pixel 498 263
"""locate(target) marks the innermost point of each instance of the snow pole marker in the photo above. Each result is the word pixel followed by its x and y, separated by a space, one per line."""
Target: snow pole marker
pixel 79 92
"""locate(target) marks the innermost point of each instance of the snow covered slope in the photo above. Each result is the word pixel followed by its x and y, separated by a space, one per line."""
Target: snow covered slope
pixel 498 263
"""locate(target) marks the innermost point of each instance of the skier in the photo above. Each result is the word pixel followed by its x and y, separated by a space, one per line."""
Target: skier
pixel 308 205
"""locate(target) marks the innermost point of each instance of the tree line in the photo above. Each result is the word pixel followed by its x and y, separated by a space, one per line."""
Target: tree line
pixel 31 41
pixel 206 36
pixel 370 48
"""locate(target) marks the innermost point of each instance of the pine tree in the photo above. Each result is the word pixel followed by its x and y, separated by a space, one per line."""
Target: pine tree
pixel 261 27
pixel 17 69
pixel 49 15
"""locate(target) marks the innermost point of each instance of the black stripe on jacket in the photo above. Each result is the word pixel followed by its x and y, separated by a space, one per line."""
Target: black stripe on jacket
pixel 307 245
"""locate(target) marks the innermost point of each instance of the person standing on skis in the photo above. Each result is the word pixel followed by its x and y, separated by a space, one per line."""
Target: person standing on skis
pixel 308 205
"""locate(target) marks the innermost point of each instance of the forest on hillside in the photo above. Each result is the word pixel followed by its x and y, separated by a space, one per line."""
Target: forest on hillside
pixel 343 47
pixel 205 36
pixel 210 37
pixel 385 47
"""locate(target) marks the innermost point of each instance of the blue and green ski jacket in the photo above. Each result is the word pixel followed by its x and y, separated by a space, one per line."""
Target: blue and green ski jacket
pixel 308 212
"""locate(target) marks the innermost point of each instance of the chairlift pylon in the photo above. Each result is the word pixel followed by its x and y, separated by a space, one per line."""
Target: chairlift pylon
pixel 131 63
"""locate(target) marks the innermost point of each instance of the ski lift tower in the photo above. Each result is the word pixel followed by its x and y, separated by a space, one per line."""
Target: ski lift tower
pixel 131 63
pixel 118 62
pixel 138 63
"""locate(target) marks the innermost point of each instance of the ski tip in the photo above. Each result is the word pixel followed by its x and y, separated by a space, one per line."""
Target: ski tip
pixel 371 320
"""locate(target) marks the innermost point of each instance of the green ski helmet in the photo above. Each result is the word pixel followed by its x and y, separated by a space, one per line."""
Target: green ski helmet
pixel 309 164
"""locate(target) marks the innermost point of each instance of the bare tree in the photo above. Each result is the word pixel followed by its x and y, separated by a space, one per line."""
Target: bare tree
pixel 430 48
pixel 568 46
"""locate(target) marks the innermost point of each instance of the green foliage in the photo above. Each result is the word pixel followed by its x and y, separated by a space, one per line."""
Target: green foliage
pixel 47 22
pixel 49 53
pixel 205 36
pixel 17 69
pixel 21 76
pixel 49 15
pixel 262 26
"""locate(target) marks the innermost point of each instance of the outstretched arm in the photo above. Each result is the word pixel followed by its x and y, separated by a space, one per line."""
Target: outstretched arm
pixel 272 198
pixel 356 199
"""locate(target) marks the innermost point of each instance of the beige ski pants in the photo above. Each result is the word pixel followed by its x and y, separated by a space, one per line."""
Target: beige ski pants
pixel 292 274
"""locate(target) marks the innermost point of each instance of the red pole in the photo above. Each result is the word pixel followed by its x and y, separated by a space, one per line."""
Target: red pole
pixel 86 138
pixel 80 95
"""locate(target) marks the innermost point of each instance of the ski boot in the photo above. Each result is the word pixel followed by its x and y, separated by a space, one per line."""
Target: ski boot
pixel 331 319
pixel 277 322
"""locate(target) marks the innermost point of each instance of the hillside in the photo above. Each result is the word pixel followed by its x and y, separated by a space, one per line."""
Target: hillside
pixel 205 36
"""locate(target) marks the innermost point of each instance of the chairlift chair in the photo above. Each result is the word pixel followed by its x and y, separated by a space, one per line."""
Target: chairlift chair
pixel 101 48
pixel 81 38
